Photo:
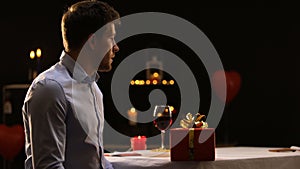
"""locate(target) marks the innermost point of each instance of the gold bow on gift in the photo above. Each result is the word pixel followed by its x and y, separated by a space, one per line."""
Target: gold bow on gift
pixel 196 121
pixel 188 122
pixel 200 121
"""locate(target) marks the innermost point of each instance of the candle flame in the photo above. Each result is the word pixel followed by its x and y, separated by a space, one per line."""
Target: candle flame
pixel 132 109
pixel 32 54
pixel 38 53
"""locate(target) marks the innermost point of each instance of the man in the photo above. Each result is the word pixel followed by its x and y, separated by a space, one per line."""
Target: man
pixel 63 108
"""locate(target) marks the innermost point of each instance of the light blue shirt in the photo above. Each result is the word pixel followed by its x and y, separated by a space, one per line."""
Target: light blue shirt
pixel 63 119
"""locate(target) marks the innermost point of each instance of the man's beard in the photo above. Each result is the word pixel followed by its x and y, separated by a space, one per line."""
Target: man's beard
pixel 105 66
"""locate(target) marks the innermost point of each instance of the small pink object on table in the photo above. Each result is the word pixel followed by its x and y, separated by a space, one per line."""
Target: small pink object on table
pixel 138 143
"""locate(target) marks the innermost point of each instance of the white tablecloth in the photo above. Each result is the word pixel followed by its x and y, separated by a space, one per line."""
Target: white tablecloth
pixel 226 158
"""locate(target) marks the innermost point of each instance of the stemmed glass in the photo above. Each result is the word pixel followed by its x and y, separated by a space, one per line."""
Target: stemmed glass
pixel 162 120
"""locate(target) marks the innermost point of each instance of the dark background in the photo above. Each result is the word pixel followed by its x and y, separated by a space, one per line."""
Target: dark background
pixel 260 40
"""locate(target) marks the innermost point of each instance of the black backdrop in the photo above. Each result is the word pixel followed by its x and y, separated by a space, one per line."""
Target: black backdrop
pixel 260 40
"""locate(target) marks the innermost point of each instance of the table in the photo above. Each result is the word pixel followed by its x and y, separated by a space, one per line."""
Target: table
pixel 226 158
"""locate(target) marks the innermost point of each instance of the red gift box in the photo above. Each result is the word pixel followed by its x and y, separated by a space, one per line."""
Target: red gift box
pixel 186 145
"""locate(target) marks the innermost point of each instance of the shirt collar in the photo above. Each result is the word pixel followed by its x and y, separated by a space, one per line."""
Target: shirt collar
pixel 76 71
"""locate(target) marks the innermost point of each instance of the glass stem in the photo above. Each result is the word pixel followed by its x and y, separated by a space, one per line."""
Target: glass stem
pixel 163 139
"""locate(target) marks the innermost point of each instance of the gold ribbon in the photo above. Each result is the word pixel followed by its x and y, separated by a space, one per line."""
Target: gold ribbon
pixel 191 143
pixel 188 122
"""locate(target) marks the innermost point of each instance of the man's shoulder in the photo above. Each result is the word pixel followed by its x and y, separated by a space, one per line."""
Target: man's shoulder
pixel 48 84
pixel 57 73
pixel 52 79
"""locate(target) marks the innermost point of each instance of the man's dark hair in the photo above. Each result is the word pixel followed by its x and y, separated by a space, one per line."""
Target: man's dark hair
pixel 82 19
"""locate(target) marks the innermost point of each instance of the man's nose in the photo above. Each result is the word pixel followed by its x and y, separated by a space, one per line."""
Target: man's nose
pixel 115 48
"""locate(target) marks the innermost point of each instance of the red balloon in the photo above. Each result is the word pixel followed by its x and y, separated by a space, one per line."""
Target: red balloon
pixel 233 84
pixel 12 139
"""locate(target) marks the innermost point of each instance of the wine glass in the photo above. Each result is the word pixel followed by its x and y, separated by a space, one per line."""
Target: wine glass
pixel 162 120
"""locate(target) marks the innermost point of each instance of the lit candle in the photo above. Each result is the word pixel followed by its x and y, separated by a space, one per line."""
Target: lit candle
pixel 38 56
pixel 132 116
pixel 138 143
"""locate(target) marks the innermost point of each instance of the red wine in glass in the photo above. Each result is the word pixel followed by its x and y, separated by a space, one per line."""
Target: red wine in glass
pixel 162 120
pixel 163 123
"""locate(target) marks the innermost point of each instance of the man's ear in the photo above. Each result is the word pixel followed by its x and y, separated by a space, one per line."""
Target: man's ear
pixel 92 41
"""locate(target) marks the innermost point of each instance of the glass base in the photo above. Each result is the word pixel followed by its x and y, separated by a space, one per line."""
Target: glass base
pixel 160 150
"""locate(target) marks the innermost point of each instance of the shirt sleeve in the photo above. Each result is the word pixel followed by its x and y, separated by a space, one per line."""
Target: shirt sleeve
pixel 46 111
pixel 108 165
